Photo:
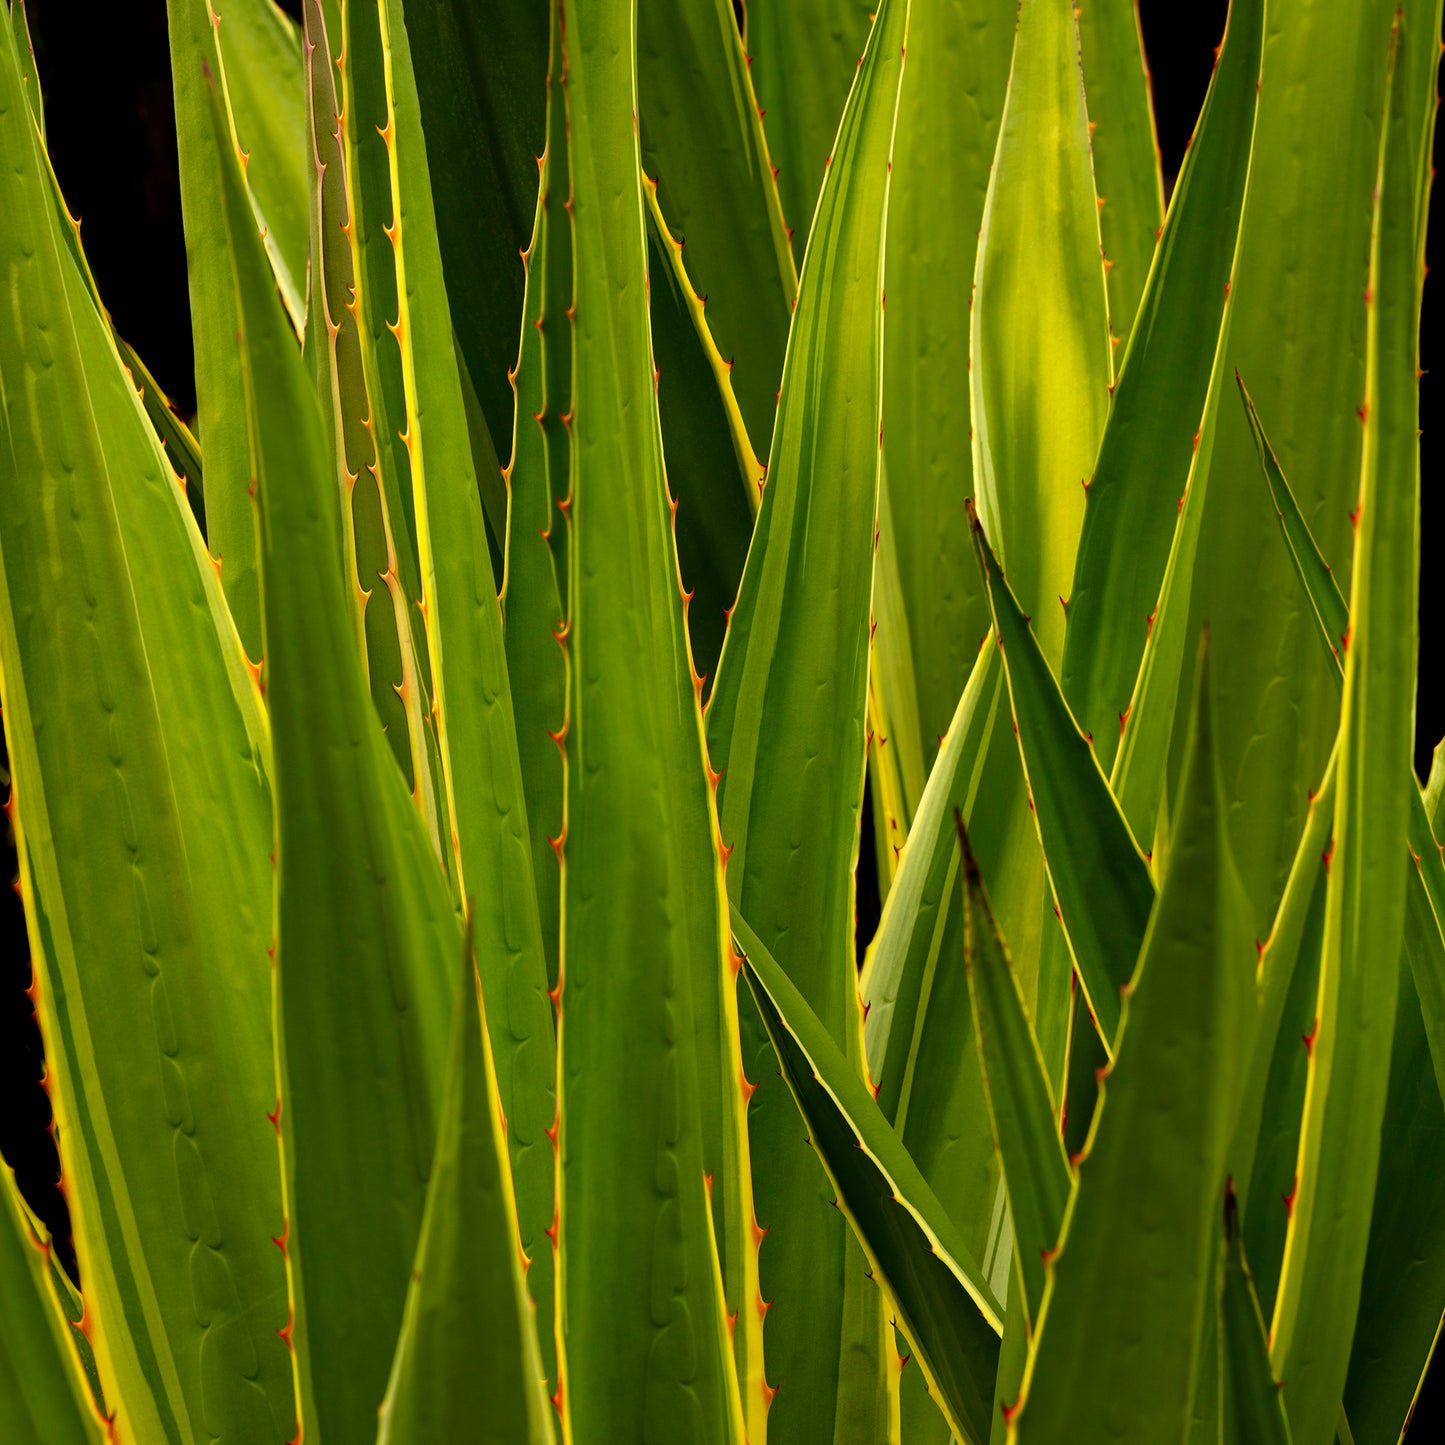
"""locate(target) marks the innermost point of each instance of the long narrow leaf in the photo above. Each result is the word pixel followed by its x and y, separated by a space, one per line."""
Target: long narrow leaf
pixel 1139 1240
pixel 932 1283
pixel 1365 906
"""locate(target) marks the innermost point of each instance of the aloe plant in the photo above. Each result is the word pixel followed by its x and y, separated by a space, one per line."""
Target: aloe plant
pixel 631 433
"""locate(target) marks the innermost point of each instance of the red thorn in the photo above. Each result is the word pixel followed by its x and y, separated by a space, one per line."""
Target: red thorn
pixel 1290 1198
pixel 1308 1040
pixel 279 1240
pixel 275 1116
pixel 286 1330
pixel 1328 855
pixel 1124 718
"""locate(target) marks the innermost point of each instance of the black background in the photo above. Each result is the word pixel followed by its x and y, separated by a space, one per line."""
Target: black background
pixel 111 127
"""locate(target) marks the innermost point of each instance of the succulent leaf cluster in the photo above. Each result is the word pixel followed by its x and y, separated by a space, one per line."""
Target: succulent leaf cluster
pixel 654 459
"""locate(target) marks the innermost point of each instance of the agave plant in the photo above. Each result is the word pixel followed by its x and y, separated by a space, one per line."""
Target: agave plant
pixel 439 873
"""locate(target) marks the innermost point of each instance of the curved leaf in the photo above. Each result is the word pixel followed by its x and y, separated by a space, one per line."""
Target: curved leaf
pixel 1164 399
pixel 1365 902
pixel 645 995
pixel 932 1283
pixel 1139 1240
pixel 366 935
pixel 1100 879
pixel 467 1362
pixel 1040 363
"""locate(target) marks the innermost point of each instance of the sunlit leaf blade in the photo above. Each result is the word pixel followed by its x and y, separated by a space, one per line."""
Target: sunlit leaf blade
pixel 255 57
pixel 43 1395
pixel 367 939
pixel 341 349
pixel 908 947
pixel 645 992
pixel 935 208
pixel 25 55
pixel 1163 400
pixel 1298 337
pixel 711 467
pixel 1140 1237
pixel 1125 151
pixel 1251 1408
pixel 1332 614
pixel 139 765
pixel 260 50
pixel 1272 1093
pixel 1331 610
pixel 1402 1295
pixel 182 448
pixel 1365 903
pixel 532 607
pixel 1021 1108
pixel 702 141
pixel 471 702
pixel 802 55
pixel 786 726
pixel 481 79
pixel 1401 1300
pixel 917 1017
pixel 931 1282
pixel 1040 362
pixel 1100 879
pixel 467 1362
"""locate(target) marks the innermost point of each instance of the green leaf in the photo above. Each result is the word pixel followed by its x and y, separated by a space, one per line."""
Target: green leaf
pixel 476 734
pixel 702 141
pixel 1040 365
pixel 1021 1106
pixel 786 722
pixel 1155 445
pixel 918 1018
pixel 1273 1093
pixel 43 1394
pixel 1298 336
pixel 802 55
pixel 378 551
pixel 481 80
pixel 1365 902
pixel 711 467
pixel 916 918
pixel 467 1363
pixel 932 1283
pixel 1251 1406
pixel 1400 1300
pixel 255 57
pixel 1402 1295
pixel 1125 151
pixel 367 939
pixel 1139 1239
pixel 140 759
pixel 1426 888
pixel 25 54
pixel 1331 610
pixel 1099 877
pixel 954 50
pixel 533 619
pixel 646 989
